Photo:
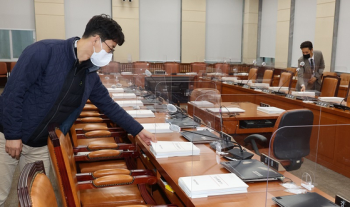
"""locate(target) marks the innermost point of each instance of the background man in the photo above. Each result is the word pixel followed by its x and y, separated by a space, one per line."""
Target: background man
pixel 51 83
pixel 309 75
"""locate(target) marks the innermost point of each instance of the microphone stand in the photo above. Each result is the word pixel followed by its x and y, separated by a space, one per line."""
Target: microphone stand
pixel 278 91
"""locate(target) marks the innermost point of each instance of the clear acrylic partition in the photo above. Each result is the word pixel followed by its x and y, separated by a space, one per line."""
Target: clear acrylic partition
pixel 319 162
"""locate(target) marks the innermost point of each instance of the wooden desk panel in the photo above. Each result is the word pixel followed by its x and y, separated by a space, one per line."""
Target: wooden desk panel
pixel 231 124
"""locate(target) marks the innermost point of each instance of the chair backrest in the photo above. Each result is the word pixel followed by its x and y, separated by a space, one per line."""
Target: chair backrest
pixel 62 157
pixel 329 74
pixel 112 67
pixel 171 67
pixel 330 86
pixel 198 66
pixel 3 68
pixel 293 70
pixel 206 94
pixel 291 140
pixel 285 79
pixel 12 65
pixel 267 78
pixel 347 93
pixel 253 73
pixel 34 188
pixel 345 79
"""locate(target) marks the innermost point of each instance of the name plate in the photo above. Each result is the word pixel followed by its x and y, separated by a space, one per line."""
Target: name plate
pixel 197 119
pixel 323 104
pixel 342 202
pixel 290 96
pixel 245 86
pixel 225 136
pixel 266 91
pixel 271 162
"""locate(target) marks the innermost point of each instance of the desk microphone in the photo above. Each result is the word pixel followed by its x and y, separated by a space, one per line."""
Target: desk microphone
pixel 278 91
pixel 241 84
pixel 340 106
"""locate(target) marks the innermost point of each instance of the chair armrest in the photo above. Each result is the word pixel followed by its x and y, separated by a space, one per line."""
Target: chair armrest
pixel 106 172
pixel 105 155
pixel 116 180
pixel 251 139
pixel 93 146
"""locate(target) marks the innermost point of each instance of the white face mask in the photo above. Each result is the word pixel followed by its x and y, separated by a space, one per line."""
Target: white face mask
pixel 101 58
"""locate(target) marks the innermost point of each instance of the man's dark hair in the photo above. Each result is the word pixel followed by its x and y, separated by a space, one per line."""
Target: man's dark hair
pixel 105 27
pixel 306 44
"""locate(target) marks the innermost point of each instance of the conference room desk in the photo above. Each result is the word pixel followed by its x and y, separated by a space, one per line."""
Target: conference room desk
pixel 171 169
pixel 231 123
pixel 329 144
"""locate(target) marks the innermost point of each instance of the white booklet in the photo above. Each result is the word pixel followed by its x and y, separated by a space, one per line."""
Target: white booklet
pixel 115 90
pixel 226 110
pixel 331 99
pixel 140 113
pixel 304 93
pixel 202 103
pixel 129 103
pixel 211 185
pixel 163 149
pixel 124 95
pixel 157 127
pixel 270 110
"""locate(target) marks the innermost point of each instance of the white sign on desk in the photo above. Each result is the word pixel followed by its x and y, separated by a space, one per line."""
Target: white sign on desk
pixel 124 95
pixel 129 103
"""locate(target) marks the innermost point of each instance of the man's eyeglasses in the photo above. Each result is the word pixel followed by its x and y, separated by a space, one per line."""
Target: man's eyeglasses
pixel 111 49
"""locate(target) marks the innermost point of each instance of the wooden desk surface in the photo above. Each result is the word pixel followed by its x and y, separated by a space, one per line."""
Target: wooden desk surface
pixel 231 124
pixel 205 164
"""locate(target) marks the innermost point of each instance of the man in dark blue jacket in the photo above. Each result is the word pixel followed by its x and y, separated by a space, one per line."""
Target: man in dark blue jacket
pixel 51 83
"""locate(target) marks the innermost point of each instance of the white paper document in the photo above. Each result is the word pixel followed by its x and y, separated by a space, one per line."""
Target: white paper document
pixel 226 110
pixel 202 103
pixel 260 85
pixel 270 110
pixel 126 73
pixel 129 103
pixel 115 90
pixel 124 95
pixel 163 149
pixel 157 127
pixel 234 79
pixel 140 113
pixel 305 93
pixel 211 185
pixel 331 99
pixel 281 89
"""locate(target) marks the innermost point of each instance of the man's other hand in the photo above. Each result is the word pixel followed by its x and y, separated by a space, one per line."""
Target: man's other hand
pixel 312 80
pixel 14 148
pixel 147 136
pixel 302 88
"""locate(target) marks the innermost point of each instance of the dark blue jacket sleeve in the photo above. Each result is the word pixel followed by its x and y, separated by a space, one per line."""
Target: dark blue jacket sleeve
pixel 100 97
pixel 26 71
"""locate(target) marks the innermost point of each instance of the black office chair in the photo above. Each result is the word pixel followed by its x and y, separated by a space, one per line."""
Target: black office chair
pixel 289 144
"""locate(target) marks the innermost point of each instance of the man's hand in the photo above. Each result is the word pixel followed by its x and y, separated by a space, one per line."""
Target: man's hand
pixel 14 148
pixel 312 80
pixel 147 136
pixel 302 88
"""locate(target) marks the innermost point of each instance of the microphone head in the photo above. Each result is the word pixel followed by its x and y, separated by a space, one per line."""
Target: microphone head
pixel 254 62
pixel 263 64
pixel 118 85
pixel 298 69
pixel 148 73
pixel 174 128
pixel 302 63
pixel 171 108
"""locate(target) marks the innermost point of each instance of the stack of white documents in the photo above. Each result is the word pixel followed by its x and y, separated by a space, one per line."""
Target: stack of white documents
pixel 305 93
pixel 126 73
pixel 202 103
pixel 157 127
pixel 129 103
pixel 260 85
pixel 270 110
pixel 331 99
pixel 234 79
pixel 173 149
pixel 191 73
pixel 124 95
pixel 280 89
pixel 211 185
pixel 140 113
pixel 226 110
pixel 115 90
